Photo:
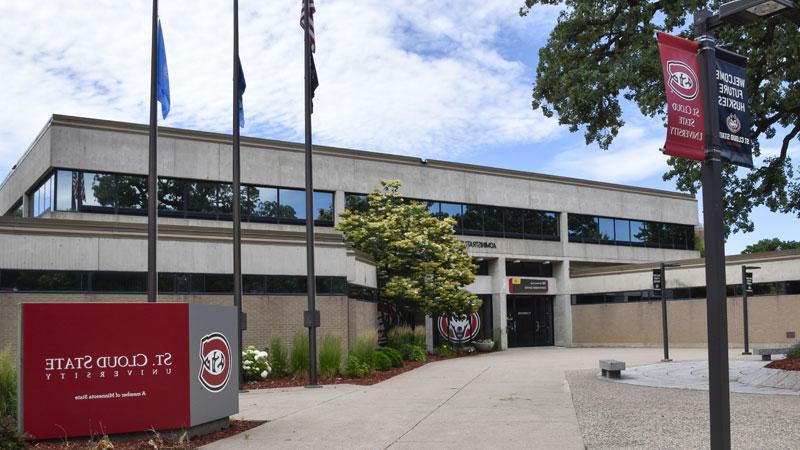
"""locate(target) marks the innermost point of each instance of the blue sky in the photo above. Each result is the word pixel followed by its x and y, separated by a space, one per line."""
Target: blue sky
pixel 448 80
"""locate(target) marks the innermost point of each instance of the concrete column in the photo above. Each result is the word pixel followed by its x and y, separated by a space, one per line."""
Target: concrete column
pixel 429 333
pixel 562 307
pixel 338 205
pixel 563 228
pixel 27 206
pixel 497 270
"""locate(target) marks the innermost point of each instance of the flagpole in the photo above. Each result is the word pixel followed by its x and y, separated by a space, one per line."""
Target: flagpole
pixel 152 174
pixel 311 317
pixel 237 222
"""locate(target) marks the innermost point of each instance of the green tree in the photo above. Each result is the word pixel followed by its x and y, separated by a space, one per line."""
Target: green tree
pixel 421 265
pixel 770 245
pixel 604 52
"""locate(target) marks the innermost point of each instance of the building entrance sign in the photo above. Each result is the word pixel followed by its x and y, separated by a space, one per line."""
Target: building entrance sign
pixel 92 368
pixel 685 119
pixel 526 285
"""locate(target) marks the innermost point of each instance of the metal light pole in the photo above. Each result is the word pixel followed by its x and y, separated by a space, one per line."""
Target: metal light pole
pixel 737 12
pixel 664 327
pixel 744 306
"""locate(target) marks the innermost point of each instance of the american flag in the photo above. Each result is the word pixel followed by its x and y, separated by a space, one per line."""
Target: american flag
pixel 78 192
pixel 311 11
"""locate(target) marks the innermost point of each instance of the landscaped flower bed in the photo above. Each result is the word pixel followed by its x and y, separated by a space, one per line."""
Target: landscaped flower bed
pixel 787 363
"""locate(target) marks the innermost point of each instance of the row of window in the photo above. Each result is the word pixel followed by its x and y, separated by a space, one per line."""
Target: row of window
pixel 168 283
pixel 692 293
pixel 482 220
pixel 605 230
pixel 68 190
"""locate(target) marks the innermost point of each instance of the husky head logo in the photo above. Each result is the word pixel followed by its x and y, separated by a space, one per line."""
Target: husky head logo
pixel 215 357
pixel 459 328
pixel 682 80
pixel 733 123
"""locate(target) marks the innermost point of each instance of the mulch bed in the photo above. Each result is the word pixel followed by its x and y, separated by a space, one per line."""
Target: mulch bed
pixel 236 427
pixel 785 364
pixel 376 377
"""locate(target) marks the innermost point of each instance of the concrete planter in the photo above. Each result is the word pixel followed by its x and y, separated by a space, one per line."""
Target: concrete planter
pixel 484 347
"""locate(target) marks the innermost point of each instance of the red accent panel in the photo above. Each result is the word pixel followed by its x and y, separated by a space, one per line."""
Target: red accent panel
pixel 94 368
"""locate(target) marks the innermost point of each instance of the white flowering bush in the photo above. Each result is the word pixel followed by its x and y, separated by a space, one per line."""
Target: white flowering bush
pixel 255 363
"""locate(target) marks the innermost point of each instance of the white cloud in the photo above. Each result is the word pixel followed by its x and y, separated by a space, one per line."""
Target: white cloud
pixel 413 77
pixel 634 156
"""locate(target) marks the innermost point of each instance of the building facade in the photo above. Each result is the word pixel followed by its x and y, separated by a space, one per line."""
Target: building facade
pixel 75 229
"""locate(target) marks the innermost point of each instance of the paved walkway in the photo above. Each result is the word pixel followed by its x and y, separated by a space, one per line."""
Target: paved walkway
pixel 512 399
pixel 746 377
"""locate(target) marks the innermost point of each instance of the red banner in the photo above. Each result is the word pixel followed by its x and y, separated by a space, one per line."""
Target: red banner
pixel 685 122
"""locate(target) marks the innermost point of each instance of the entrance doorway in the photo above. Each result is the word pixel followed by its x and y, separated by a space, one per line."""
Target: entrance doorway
pixel 530 320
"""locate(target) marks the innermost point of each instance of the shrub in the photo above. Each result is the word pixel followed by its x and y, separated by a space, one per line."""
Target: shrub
pixel 278 358
pixel 399 336
pixel 793 353
pixel 298 356
pixel 8 384
pixel 9 438
pixel 444 350
pixel 419 337
pixel 382 361
pixel 255 364
pixel 394 356
pixel 330 355
pixel 365 346
pixel 413 352
pixel 356 368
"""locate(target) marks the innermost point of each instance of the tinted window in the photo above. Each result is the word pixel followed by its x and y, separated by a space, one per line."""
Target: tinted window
pixel 606 227
pixel 638 233
pixel 119 281
pixel 131 192
pixel 493 221
pixel 514 222
pixel 550 225
pixel 533 223
pixel 356 202
pixel 473 220
pixel 622 232
pixel 292 204
pixel 64 190
pixel 323 206
pixel 172 194
pixel 264 202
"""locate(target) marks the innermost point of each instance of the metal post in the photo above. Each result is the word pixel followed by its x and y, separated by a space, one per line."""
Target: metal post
pixel 237 223
pixel 664 327
pixel 152 173
pixel 311 317
pixel 744 313
pixel 716 307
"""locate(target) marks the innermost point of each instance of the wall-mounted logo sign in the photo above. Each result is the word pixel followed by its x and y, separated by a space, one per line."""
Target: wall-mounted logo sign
pixel 459 328
pixel 215 354
pixel 685 126
pixel 526 285
pixel 480 244
pixel 683 80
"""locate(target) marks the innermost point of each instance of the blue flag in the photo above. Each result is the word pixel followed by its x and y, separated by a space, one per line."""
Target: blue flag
pixel 162 80
pixel 242 86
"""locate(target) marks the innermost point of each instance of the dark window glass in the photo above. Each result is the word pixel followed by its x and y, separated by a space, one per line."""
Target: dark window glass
pixel 606 227
pixel 533 224
pixel 172 194
pixel 202 198
pixel 246 201
pixel 99 191
pixel 514 220
pixel 689 230
pixel 528 269
pixel 622 231
pixel 324 285
pixel 35 280
pixel 264 202
pixel 473 220
pixel 791 287
pixel 651 234
pixel 292 204
pixel 550 225
pixel 119 281
pixel 43 197
pixel 356 202
pixel 583 228
pixel 323 206
pixel 64 190
pixel 339 285
pixel 166 283
pixel 219 283
pixel 253 284
pixel 451 210
pixel 638 232
pixel 482 267
pixel 183 282
pixel 285 284
pixel 224 200
pixel 197 283
pixel 665 237
pixel 493 221
pixel 131 193
pixel 433 207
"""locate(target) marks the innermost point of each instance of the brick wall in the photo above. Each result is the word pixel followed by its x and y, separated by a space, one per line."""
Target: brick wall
pixel 268 316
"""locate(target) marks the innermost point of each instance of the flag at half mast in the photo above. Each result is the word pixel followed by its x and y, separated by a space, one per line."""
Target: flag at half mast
pixel 314 81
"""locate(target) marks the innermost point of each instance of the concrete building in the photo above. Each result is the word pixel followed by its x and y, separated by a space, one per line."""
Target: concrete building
pixel 75 229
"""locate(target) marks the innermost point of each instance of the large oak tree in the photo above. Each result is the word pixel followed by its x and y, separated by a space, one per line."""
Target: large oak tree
pixel 603 53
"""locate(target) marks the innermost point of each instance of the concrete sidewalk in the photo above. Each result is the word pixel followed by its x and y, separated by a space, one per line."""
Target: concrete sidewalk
pixel 512 399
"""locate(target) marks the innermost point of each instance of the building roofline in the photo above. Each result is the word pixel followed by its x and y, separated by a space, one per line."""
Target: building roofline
pixel 110 125
pixel 694 263
pixel 28 150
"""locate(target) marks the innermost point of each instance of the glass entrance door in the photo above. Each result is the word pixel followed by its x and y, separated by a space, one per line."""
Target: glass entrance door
pixel 530 320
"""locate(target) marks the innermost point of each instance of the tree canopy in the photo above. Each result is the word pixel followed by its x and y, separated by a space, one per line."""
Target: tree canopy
pixel 603 54
pixel 421 265
pixel 770 245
